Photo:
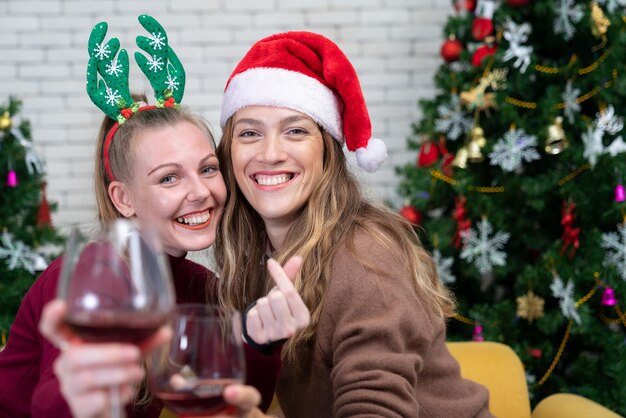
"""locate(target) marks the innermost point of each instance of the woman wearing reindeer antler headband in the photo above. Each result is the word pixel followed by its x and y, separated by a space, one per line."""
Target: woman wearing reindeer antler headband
pixel 158 164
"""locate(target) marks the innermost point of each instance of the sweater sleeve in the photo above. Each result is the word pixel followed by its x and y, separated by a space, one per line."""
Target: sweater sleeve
pixel 375 332
pixel 28 387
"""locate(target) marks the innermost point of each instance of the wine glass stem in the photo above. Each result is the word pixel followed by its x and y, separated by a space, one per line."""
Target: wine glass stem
pixel 117 410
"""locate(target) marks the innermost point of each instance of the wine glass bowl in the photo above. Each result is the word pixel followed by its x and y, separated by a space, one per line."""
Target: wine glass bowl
pixel 117 286
pixel 204 355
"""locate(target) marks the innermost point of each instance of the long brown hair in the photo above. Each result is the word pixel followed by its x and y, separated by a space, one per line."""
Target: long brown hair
pixel 328 221
pixel 122 150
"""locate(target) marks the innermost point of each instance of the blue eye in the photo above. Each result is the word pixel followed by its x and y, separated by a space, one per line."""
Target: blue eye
pixel 168 179
pixel 210 169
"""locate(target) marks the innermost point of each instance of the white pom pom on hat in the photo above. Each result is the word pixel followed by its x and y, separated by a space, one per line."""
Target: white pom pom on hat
pixel 306 72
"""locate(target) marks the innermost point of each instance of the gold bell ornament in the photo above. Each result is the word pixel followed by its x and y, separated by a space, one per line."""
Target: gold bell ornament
pixel 5 121
pixel 556 141
pixel 477 141
pixel 460 159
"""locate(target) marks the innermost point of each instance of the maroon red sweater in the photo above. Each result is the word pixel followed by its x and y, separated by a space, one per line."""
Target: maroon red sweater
pixel 28 386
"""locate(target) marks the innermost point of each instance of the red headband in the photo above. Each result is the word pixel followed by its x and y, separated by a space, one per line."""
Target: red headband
pixel 109 138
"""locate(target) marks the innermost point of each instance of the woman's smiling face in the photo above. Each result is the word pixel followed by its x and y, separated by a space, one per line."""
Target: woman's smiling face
pixel 277 157
pixel 177 186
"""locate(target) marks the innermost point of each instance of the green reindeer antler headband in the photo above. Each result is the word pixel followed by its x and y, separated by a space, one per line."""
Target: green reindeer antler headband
pixel 110 91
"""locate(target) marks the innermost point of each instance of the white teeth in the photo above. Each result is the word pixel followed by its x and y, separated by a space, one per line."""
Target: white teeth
pixel 272 180
pixel 195 219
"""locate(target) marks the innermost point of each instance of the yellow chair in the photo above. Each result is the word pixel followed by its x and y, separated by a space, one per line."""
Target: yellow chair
pixel 499 369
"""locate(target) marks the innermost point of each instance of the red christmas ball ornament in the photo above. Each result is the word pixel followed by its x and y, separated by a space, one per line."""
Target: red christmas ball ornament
pixel 428 155
pixel 483 52
pixel 451 49
pixel 517 3
pixel 535 352
pixel 411 214
pixel 481 28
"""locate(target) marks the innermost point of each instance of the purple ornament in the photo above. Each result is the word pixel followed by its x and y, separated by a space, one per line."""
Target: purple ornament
pixel 620 196
pixel 608 297
pixel 477 334
pixel 12 179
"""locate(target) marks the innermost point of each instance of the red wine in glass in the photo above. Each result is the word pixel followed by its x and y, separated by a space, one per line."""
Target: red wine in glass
pixel 107 326
pixel 204 355
pixel 205 398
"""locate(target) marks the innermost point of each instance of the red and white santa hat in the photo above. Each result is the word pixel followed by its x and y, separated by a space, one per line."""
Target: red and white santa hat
pixel 306 72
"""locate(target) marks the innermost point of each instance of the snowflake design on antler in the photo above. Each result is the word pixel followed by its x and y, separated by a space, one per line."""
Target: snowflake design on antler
pixel 114 68
pixel 102 51
pixel 155 63
pixel 452 121
pixel 515 147
pixel 171 83
pixel 443 266
pixel 483 249
pixel 565 294
pixel 567 14
pixel 615 246
pixel 157 40
pixel 517 35
pixel 18 254
pixel 112 96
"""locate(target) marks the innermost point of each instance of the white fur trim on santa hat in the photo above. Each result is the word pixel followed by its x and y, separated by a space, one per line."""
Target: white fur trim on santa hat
pixel 283 88
pixel 371 157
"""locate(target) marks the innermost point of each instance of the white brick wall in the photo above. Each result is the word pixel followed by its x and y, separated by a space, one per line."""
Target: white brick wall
pixel 393 44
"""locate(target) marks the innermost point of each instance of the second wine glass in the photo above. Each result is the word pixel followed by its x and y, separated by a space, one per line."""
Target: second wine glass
pixel 203 357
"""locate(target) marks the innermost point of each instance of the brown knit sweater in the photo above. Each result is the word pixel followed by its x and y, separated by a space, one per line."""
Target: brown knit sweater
pixel 378 352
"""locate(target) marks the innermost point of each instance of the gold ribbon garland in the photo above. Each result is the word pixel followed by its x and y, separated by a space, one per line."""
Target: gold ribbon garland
pixel 532 105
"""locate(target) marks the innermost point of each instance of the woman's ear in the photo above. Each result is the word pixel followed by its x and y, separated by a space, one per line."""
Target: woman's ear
pixel 121 198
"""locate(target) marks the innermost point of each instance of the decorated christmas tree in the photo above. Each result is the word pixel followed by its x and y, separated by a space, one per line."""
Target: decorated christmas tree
pixel 518 186
pixel 27 237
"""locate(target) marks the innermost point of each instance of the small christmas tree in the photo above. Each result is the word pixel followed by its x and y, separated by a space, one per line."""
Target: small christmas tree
pixel 519 186
pixel 27 237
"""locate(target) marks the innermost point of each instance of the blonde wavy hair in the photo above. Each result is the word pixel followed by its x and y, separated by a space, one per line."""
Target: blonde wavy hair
pixel 328 221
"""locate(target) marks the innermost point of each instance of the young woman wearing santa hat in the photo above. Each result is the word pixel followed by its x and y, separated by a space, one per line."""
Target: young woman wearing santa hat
pixel 376 342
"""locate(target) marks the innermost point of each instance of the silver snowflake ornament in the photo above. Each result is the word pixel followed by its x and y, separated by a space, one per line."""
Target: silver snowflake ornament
pixel 515 147
pixel 17 253
pixel 484 249
pixel 615 245
pixel 443 266
pixel 567 14
pixel 592 140
pixel 612 5
pixel 452 121
pixel 570 100
pixel 565 294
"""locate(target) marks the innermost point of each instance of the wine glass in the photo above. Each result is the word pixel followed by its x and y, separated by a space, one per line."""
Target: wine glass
pixel 117 287
pixel 204 355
